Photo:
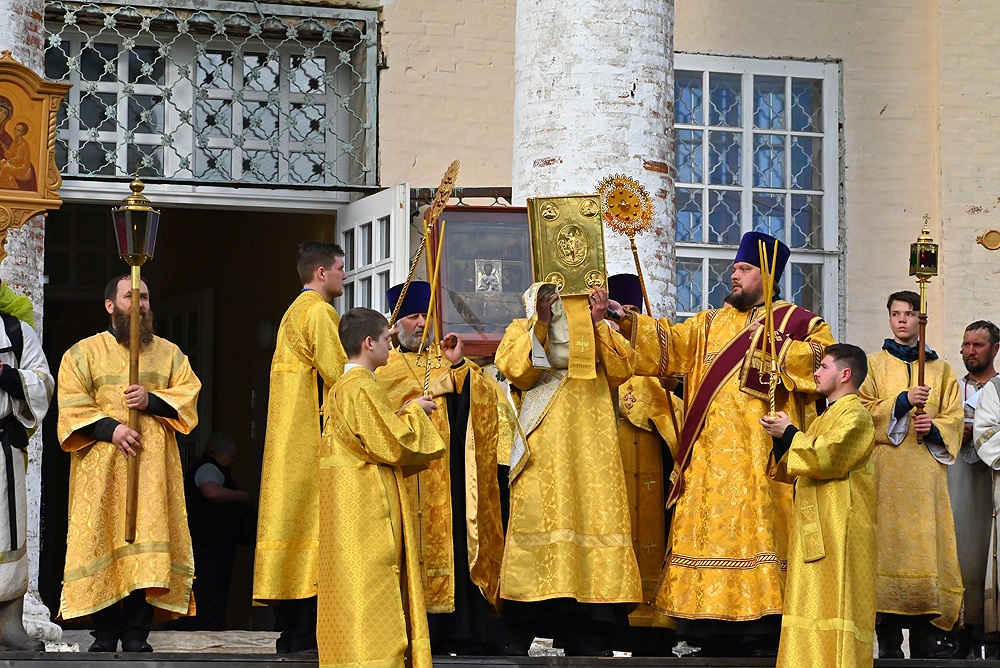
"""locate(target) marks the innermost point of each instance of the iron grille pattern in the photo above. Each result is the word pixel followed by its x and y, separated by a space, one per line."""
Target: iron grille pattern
pixel 238 93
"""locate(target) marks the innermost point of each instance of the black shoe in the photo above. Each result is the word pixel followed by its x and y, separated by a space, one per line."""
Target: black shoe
pixel 104 645
pixel 890 640
pixel 931 644
pixel 136 646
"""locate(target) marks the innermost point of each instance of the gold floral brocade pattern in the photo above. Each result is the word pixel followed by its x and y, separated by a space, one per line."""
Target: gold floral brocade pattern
pixel 829 615
pixel 729 535
pixel 569 532
pixel 431 489
pixel 101 567
pixel 370 606
pixel 918 569
pixel 307 350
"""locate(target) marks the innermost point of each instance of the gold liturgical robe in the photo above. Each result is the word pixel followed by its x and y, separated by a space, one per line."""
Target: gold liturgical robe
pixel 647 431
pixel 101 567
pixel 285 562
pixel 918 570
pixel 402 381
pixel 371 606
pixel 569 533
pixel 729 533
pixel 829 616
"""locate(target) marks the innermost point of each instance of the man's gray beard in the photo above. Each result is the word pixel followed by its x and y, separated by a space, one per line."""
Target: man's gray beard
pixel 407 340
pixel 744 301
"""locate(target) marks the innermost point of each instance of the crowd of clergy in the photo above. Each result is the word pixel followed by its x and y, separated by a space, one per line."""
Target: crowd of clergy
pixel 609 480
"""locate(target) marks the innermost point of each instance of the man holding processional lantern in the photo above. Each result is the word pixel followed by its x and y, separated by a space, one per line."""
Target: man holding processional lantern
pixel 916 405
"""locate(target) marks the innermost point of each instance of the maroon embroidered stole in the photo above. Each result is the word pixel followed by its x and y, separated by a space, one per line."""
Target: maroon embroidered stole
pixel 791 322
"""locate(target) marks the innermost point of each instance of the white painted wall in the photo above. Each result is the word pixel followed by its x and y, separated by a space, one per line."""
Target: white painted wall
pixel 593 96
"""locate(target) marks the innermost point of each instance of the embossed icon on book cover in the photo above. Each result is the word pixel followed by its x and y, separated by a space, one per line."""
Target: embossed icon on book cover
pixel 489 275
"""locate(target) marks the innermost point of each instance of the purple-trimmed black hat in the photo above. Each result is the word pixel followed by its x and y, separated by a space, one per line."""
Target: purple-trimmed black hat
pixel 417 300
pixel 750 253
pixel 625 289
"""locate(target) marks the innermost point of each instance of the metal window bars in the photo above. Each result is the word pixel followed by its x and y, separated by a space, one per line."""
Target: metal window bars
pixel 235 93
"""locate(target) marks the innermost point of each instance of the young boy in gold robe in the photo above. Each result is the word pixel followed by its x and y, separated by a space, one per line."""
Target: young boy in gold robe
pixel 371 600
pixel 829 613
pixel 919 580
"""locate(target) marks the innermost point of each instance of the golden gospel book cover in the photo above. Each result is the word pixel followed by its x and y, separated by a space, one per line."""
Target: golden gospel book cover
pixel 567 242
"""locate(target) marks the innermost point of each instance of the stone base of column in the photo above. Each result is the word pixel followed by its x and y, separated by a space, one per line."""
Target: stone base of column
pixel 38 620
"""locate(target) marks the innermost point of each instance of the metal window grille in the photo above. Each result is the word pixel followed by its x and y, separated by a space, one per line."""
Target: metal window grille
pixel 218 92
pixel 757 148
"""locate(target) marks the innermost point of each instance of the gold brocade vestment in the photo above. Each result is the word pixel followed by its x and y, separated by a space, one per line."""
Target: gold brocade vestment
pixel 729 533
pixel 285 562
pixel 648 437
pixel 829 616
pixel 371 604
pixel 402 380
pixel 918 570
pixel 569 533
pixel 101 568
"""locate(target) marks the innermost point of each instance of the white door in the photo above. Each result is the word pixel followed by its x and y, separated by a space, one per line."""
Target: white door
pixel 375 235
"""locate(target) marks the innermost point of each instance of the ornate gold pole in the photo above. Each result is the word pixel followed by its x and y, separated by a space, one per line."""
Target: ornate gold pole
pixel 135 228
pixel 767 264
pixel 441 197
pixel 923 265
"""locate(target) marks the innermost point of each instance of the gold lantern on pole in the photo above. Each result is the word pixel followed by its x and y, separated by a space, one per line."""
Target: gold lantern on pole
pixel 135 224
pixel 923 265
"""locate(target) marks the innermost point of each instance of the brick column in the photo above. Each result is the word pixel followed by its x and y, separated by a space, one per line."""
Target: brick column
pixel 23 34
pixel 593 96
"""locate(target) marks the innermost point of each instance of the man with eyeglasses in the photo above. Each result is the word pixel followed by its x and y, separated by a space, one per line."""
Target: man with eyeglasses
pixel 918 584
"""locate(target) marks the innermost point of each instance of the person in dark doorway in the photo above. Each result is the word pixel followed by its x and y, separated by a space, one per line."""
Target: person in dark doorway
pixel 216 509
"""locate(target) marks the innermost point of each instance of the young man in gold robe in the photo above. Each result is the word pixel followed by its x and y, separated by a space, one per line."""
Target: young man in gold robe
pixel 649 418
pixel 829 609
pixel 457 498
pixel 307 353
pixel 568 567
pixel 119 584
pixel 724 571
pixel 919 583
pixel 371 599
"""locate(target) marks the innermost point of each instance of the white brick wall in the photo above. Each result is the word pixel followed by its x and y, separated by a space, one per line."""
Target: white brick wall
pixel 448 92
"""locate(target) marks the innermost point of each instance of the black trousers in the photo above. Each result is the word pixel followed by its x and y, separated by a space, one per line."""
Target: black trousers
pixel 297 622
pixel 127 619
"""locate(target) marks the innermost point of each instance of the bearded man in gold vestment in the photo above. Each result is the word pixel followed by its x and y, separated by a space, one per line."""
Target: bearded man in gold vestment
pixel 568 566
pixel 307 351
pixel 457 499
pixel 724 571
pixel 371 599
pixel 829 615
pixel 118 583
pixel 919 583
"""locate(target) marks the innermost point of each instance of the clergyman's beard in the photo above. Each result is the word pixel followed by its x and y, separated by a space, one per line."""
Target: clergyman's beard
pixel 408 340
pixel 744 301
pixel 121 324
